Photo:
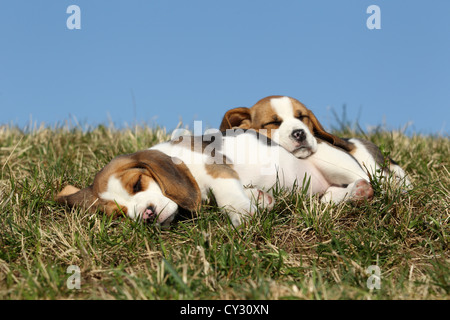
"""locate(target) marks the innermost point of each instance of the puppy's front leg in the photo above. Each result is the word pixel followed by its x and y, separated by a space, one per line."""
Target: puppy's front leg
pixel 230 196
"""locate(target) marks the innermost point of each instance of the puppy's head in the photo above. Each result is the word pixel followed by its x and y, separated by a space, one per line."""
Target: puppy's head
pixel 286 121
pixel 145 185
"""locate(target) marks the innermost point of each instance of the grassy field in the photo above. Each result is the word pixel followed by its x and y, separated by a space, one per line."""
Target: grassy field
pixel 302 249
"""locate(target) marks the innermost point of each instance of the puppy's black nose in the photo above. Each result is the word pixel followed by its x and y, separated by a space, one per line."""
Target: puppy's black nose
pixel 299 135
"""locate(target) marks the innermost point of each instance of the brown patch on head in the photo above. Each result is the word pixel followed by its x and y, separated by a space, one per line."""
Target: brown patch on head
pixel 136 171
pixel 260 116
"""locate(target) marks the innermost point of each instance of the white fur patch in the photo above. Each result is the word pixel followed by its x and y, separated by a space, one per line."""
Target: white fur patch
pixel 285 110
pixel 283 107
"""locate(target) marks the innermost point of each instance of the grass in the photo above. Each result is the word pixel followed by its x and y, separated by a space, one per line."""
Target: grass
pixel 302 249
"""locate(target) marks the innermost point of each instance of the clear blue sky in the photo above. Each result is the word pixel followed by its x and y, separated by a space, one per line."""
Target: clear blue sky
pixel 193 60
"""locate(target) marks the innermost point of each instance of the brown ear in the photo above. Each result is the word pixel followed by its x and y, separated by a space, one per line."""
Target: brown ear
pixel 174 179
pixel 236 118
pixel 319 132
pixel 74 197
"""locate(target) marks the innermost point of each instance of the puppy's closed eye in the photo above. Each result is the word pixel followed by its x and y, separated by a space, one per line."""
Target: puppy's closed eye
pixel 301 116
pixel 137 187
pixel 272 123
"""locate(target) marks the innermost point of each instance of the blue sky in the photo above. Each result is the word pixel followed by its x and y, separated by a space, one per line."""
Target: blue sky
pixel 159 61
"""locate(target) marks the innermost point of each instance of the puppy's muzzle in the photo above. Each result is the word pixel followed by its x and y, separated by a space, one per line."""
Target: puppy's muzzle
pixel 299 135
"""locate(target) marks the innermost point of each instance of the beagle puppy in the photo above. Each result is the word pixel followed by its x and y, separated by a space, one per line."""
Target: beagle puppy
pixel 238 169
pixel 288 122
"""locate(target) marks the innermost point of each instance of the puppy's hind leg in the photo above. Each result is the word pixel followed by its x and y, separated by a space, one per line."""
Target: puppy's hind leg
pixel 357 191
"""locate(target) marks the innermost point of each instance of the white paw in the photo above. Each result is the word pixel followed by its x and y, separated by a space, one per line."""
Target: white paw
pixel 262 199
pixel 326 197
pixel 239 218
pixel 238 214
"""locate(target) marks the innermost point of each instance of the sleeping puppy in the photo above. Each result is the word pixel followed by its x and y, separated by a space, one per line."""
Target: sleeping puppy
pixel 288 122
pixel 238 169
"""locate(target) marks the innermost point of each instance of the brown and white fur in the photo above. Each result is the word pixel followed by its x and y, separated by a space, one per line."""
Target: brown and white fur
pixel 295 127
pixel 238 169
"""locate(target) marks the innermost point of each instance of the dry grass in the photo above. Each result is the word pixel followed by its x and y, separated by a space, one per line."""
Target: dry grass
pixel 301 249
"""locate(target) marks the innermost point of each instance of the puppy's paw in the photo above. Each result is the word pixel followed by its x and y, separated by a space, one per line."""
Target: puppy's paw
pixel 240 213
pixel 361 191
pixel 262 199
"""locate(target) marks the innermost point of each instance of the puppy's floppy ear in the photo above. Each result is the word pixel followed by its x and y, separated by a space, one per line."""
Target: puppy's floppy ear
pixel 320 132
pixel 175 180
pixel 236 118
pixel 75 197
